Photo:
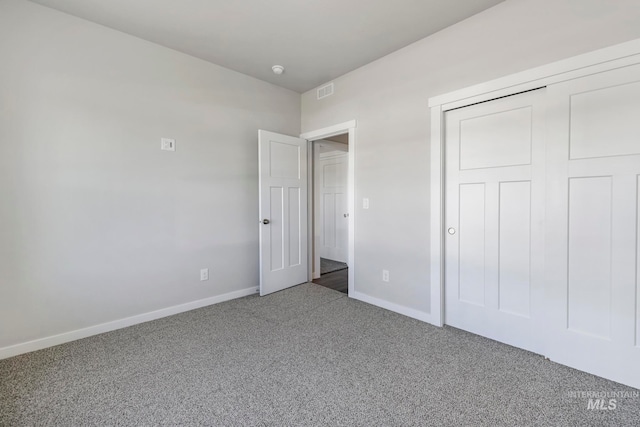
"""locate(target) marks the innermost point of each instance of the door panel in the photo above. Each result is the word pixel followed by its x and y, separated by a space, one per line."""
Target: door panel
pixel 589 251
pixel 283 202
pixel 295 223
pixel 592 221
pixel 284 160
pixel 494 209
pixel 602 121
pixel 515 248
pixel 496 139
pixel 328 223
pixel 342 221
pixel 471 280
pixel 276 230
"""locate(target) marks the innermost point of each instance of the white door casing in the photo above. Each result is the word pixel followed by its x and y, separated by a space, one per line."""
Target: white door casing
pixel 593 208
pixel 332 205
pixel 327 132
pixel 494 209
pixel 283 204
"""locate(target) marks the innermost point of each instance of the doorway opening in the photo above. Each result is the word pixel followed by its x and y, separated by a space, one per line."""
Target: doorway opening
pixel 330 188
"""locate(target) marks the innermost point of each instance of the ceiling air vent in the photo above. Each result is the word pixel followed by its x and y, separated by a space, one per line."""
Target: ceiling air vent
pixel 326 90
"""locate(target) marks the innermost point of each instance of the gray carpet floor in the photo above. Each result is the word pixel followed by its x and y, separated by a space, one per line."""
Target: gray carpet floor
pixel 329 266
pixel 306 356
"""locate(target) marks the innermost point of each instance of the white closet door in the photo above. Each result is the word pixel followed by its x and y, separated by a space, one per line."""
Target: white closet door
pixel 333 205
pixel 494 211
pixel 592 226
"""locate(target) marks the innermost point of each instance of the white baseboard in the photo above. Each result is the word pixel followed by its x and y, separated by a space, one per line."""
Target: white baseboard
pixel 65 337
pixel 406 311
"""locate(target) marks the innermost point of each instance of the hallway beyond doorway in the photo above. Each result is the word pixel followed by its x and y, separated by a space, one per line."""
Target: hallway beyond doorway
pixel 337 280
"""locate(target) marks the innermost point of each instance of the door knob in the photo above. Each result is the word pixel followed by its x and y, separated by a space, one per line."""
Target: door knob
pixel 265 221
pixel 346 215
pixel 451 231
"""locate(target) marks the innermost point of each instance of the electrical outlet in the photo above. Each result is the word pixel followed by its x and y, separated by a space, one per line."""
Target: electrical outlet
pixel 385 275
pixel 168 144
pixel 365 203
pixel 204 274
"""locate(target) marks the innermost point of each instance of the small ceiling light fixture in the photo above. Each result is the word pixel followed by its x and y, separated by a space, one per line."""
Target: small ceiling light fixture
pixel 278 69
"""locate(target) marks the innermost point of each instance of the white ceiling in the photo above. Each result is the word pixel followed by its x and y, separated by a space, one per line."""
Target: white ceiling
pixel 316 40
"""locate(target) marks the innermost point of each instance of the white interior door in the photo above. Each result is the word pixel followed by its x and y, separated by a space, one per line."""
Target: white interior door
pixel 283 211
pixel 334 225
pixel 592 227
pixel 494 209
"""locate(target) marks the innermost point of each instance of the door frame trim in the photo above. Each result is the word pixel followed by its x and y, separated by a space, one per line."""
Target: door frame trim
pixel 327 132
pixel 598 61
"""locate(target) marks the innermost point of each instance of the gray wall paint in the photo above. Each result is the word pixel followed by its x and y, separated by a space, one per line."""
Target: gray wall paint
pixel 388 98
pixel 96 223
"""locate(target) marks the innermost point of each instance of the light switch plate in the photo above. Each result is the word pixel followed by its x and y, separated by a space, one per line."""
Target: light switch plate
pixel 168 144
pixel 365 203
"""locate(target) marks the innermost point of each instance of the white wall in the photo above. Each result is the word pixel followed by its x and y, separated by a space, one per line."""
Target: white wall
pixel 388 98
pixel 96 223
